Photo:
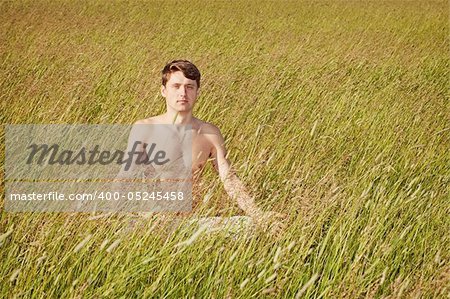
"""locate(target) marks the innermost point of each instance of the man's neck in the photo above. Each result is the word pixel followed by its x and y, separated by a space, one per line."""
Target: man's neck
pixel 179 118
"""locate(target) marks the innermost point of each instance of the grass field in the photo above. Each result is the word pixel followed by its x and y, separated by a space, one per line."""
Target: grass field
pixel 336 113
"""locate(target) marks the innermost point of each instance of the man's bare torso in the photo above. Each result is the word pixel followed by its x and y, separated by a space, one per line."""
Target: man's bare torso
pixel 204 137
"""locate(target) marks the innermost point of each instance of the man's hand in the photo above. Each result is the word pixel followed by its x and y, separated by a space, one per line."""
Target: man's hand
pixel 271 222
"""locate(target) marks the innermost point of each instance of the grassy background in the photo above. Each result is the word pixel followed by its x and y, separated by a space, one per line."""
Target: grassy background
pixel 335 112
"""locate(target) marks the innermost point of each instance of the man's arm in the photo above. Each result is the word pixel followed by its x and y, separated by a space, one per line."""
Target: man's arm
pixel 232 184
pixel 131 172
pixel 235 188
pixel 136 140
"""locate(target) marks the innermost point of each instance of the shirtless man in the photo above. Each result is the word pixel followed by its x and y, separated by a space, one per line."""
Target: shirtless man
pixel 180 88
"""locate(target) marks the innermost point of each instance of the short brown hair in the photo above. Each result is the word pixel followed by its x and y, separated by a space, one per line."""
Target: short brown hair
pixel 189 70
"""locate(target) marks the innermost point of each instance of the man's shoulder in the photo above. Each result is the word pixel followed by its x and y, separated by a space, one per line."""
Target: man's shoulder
pixel 205 127
pixel 212 133
pixel 202 127
pixel 144 127
pixel 148 121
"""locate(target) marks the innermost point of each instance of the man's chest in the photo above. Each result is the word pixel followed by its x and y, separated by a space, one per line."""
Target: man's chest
pixel 201 150
pixel 175 144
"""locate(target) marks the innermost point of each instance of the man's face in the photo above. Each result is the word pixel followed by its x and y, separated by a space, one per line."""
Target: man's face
pixel 180 92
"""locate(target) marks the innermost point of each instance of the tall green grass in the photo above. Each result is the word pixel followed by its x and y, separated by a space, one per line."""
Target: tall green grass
pixel 335 112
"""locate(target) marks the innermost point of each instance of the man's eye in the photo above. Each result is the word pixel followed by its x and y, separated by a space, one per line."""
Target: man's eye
pixel 190 87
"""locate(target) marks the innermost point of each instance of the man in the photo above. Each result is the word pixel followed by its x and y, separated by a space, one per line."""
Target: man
pixel 180 87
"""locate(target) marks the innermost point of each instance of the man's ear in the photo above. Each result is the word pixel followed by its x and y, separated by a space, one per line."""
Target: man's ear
pixel 163 90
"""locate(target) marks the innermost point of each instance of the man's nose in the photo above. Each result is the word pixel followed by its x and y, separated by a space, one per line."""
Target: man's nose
pixel 182 90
